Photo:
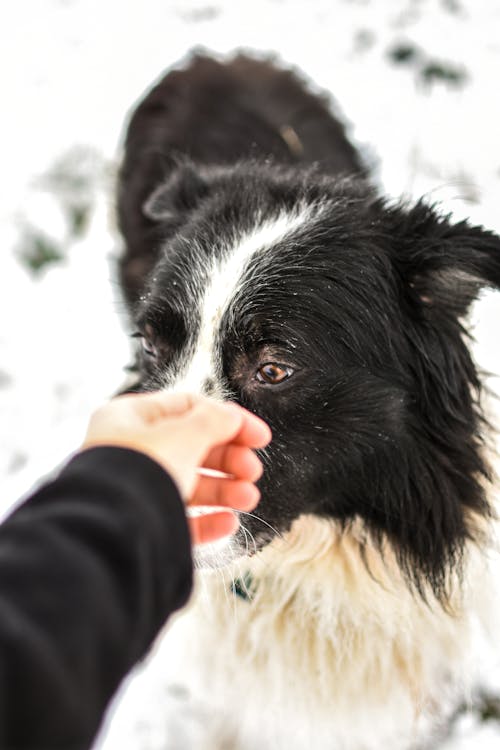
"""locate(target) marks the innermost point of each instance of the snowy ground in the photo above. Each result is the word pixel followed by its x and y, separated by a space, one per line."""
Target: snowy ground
pixel 418 79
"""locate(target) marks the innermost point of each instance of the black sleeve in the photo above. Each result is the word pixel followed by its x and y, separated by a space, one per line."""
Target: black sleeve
pixel 90 568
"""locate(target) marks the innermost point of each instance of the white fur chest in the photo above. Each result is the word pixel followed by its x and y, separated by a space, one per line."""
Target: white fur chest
pixel 321 654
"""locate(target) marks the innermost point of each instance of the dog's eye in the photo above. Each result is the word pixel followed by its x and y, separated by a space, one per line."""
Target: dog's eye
pixel 272 373
pixel 148 348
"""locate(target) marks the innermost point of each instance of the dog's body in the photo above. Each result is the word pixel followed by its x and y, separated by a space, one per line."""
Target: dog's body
pixel 352 610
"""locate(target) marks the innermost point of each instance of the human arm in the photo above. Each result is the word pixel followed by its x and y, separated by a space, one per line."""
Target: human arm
pixel 95 561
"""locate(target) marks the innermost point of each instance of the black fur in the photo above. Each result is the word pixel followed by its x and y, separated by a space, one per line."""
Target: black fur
pixel 381 419
pixel 218 114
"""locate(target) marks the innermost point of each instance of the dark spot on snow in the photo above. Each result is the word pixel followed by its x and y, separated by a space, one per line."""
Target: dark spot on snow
pixel 452 6
pixel 428 70
pixel 78 218
pixel 489 709
pixel 74 180
pixel 443 72
pixel 5 379
pixel 17 462
pixel 364 39
pixel 200 15
pixel 178 691
pixel 403 53
pixel 36 250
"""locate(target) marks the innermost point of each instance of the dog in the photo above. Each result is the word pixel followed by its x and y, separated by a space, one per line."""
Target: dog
pixel 261 265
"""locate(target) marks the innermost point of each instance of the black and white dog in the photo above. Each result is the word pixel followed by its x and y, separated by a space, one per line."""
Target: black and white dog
pixel 261 266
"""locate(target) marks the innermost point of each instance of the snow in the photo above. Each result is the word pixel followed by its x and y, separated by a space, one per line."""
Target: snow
pixel 72 68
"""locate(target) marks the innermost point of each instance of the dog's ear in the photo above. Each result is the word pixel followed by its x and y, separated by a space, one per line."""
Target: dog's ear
pixel 444 265
pixel 177 196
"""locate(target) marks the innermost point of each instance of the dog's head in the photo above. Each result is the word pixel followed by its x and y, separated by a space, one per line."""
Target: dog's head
pixel 335 317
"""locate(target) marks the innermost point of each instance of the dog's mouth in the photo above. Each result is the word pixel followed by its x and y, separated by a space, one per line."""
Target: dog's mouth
pixel 220 554
pixel 216 555
pixel 245 543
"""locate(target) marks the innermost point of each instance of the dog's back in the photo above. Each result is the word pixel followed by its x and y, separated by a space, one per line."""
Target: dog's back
pixel 218 113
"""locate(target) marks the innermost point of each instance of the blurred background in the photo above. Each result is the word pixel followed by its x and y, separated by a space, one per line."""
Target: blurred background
pixel 416 79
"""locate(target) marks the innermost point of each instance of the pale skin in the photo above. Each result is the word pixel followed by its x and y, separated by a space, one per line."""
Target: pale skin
pixel 189 435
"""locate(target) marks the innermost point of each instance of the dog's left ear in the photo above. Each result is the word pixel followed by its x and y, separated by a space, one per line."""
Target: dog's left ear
pixel 177 196
pixel 444 264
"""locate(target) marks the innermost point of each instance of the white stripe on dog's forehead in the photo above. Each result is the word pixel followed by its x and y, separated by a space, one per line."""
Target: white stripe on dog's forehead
pixel 224 282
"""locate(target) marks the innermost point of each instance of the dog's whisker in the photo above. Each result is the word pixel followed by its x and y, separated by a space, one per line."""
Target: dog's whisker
pixel 266 523
pixel 222 573
pixel 245 533
pixel 248 534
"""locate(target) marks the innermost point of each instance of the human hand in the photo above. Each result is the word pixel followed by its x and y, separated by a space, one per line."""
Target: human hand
pixel 186 435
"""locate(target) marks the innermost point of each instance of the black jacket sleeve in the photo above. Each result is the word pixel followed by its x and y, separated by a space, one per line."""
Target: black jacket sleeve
pixel 90 568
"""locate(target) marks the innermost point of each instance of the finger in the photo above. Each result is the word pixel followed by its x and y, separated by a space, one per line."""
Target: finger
pixel 158 404
pixel 254 432
pixel 212 423
pixel 234 493
pixel 237 460
pixel 213 526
